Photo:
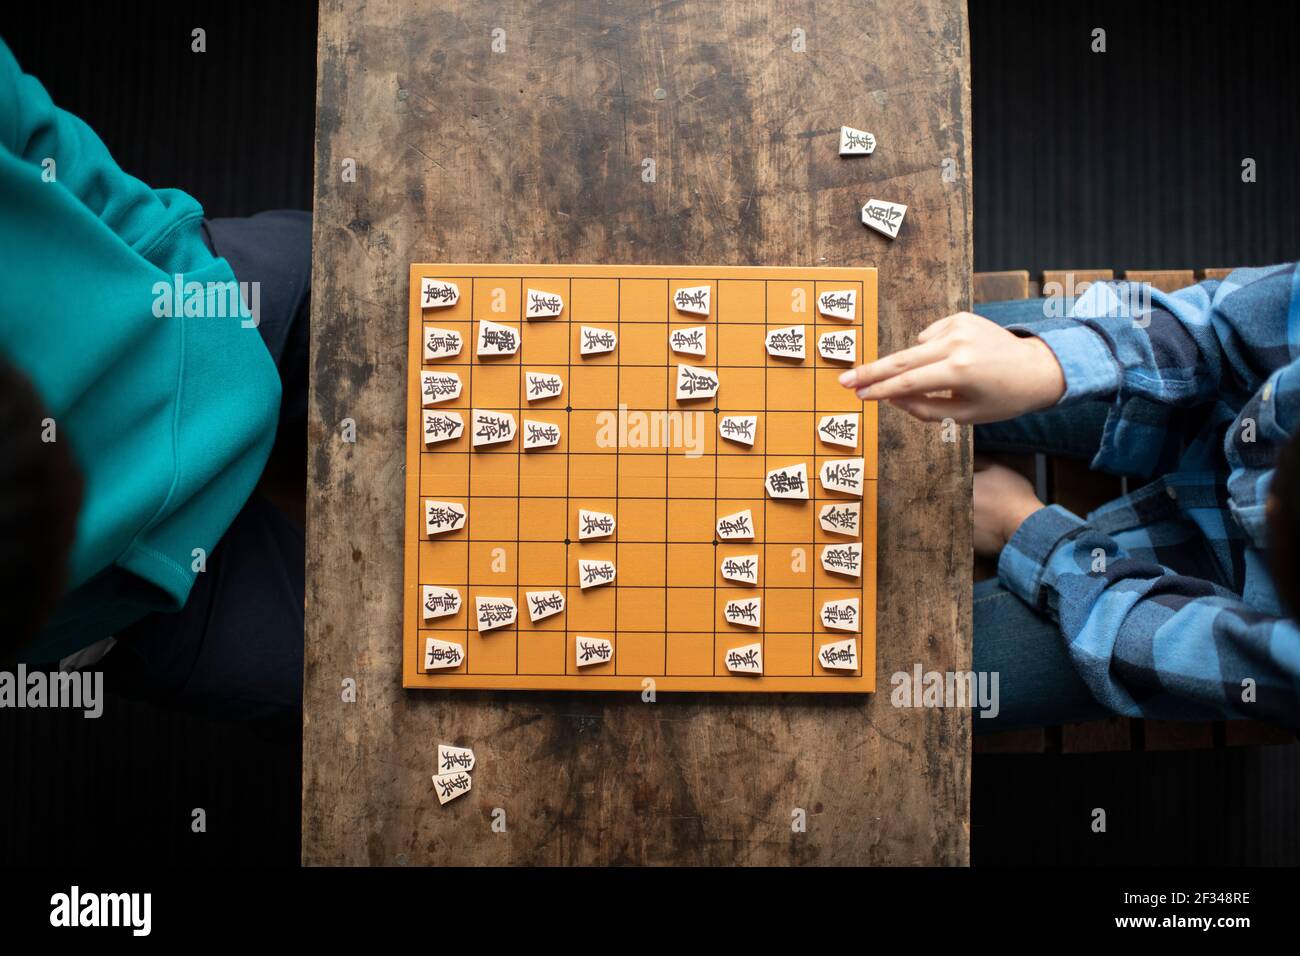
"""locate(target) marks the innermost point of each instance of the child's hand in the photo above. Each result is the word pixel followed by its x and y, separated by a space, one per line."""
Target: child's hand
pixel 1003 500
pixel 992 375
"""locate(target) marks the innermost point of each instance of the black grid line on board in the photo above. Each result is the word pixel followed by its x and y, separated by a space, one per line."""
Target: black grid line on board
pixel 814 481
pixel 670 392
pixel 717 314
pixel 618 465
pixel 519 470
pixel 767 570
pixel 569 526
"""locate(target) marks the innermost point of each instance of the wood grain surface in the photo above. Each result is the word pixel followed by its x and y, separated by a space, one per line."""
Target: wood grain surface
pixel 537 154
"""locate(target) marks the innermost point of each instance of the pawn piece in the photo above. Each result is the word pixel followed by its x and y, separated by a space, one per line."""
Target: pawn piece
pixel 449 786
pixel 746 612
pixel 592 650
pixel 451 759
pixel 736 527
pixel 745 660
pixel 856 142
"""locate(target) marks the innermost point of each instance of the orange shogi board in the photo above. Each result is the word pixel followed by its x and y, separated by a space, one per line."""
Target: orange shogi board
pixel 507 517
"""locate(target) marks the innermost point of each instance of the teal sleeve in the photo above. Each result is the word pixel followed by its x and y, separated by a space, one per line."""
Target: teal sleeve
pixel 170 414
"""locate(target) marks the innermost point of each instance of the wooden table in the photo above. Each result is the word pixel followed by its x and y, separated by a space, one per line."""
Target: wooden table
pixel 539 154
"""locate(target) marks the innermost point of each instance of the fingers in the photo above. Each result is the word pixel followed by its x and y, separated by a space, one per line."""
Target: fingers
pixel 936 329
pixel 913 383
pixel 891 365
pixel 934 409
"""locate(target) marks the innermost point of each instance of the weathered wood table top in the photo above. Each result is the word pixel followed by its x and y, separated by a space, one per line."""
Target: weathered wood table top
pixel 537 152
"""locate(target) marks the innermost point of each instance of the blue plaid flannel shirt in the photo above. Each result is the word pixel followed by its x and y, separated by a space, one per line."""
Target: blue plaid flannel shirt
pixel 1163 596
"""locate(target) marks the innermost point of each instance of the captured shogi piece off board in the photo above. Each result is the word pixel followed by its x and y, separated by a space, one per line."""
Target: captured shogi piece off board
pixel 541 399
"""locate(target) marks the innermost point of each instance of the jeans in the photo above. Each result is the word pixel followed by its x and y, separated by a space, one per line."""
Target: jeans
pixel 1037 684
pixel 235 650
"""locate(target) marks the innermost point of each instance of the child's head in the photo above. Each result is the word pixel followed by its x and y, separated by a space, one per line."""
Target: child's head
pixel 1283 513
pixel 40 495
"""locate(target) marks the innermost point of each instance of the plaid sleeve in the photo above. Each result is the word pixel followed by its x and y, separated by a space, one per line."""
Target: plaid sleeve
pixel 1125 339
pixel 1149 642
pixel 1145 352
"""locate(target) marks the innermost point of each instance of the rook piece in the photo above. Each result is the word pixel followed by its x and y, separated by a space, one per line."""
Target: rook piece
pixel 497 339
pixel 790 481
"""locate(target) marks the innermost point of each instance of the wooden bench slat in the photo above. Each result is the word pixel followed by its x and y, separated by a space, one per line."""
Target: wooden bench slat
pixel 1253 733
pixel 1000 286
pixel 1097 736
pixel 1071 282
pixel 1166 280
pixel 1177 735
pixel 1031 740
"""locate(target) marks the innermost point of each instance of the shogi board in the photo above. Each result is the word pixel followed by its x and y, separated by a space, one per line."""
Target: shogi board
pixel 664 613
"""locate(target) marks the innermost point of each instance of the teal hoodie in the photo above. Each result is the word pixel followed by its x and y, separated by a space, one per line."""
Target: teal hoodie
pixel 169 412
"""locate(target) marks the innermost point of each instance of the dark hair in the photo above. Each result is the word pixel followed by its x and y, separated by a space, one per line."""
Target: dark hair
pixel 40 495
pixel 1283 514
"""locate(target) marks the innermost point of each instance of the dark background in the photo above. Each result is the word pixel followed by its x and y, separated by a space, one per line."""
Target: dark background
pixel 1127 159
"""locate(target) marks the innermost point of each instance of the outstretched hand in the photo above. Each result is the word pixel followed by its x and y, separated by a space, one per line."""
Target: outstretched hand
pixel 991 374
